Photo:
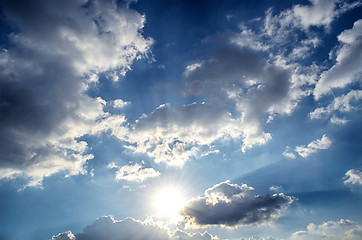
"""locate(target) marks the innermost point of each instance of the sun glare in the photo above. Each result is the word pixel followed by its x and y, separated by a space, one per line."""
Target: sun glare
pixel 169 202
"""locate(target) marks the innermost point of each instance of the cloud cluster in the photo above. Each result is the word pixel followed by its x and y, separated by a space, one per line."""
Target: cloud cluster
pixel 172 136
pixel 343 229
pixel 178 234
pixel 232 205
pixel 53 59
pixel 110 229
pixel 347 68
pixel 134 172
pixel 316 145
pixel 344 103
pixel 241 76
pixel 321 12
pixel 353 176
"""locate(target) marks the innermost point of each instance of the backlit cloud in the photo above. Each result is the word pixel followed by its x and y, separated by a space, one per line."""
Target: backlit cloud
pixel 232 205
pixel 53 60
pixel 173 136
pixel 134 172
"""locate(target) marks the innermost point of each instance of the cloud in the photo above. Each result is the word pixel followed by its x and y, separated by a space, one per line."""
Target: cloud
pixel 172 136
pixel 178 234
pixel 343 229
pixel 119 103
pixel 232 205
pixel 354 177
pixel 134 172
pixel 68 235
pixel 342 104
pixel 321 12
pixel 347 68
pixel 53 59
pixel 239 75
pixel 304 151
pixel 108 228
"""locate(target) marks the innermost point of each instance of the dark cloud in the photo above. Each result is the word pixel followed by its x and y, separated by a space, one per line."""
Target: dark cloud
pixel 57 51
pixel 233 205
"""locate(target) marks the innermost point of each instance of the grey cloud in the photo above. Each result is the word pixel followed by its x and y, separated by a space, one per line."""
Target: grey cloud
pixel 110 229
pixel 243 77
pixel 58 50
pixel 232 205
pixel 178 235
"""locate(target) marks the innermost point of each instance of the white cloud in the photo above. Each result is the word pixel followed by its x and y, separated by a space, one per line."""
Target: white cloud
pixel 353 176
pixel 173 136
pixel 68 235
pixel 347 68
pixel 55 58
pixel 178 234
pixel 322 144
pixel 343 229
pixel 321 12
pixel 119 103
pixel 232 205
pixel 344 103
pixel 134 172
pixel 108 228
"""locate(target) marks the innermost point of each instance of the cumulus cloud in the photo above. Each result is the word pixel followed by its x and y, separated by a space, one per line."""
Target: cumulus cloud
pixel 108 228
pixel 343 229
pixel 321 12
pixel 68 235
pixel 353 176
pixel 240 75
pixel 52 60
pixel 347 68
pixel 172 136
pixel 178 234
pixel 134 172
pixel 232 205
pixel 342 104
pixel 304 151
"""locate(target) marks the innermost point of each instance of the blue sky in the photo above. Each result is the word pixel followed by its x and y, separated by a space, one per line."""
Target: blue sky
pixel 200 120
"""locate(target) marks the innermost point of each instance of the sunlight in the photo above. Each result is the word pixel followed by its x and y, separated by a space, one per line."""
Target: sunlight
pixel 169 202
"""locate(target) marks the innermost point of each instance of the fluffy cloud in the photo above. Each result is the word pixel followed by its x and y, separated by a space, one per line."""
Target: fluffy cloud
pixel 134 172
pixel 321 12
pixel 353 176
pixel 232 205
pixel 54 58
pixel 347 68
pixel 304 151
pixel 68 235
pixel 345 103
pixel 178 234
pixel 344 229
pixel 240 75
pixel 173 136
pixel 110 229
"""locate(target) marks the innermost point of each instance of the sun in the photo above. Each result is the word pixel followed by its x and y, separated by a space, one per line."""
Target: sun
pixel 169 202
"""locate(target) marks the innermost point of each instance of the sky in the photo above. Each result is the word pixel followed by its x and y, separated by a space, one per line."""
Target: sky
pixel 182 119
